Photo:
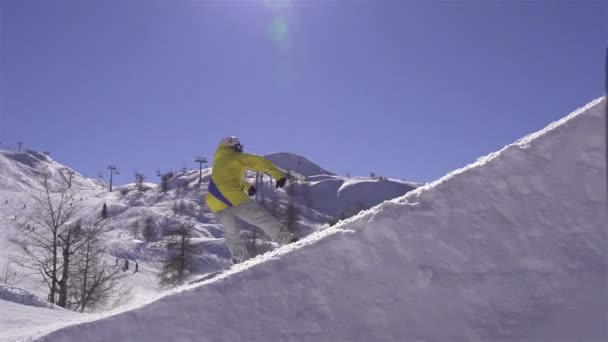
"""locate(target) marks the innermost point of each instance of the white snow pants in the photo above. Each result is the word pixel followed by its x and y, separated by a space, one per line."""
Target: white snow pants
pixel 253 213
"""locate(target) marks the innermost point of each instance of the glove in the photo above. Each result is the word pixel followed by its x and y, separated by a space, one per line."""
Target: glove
pixel 251 192
pixel 281 182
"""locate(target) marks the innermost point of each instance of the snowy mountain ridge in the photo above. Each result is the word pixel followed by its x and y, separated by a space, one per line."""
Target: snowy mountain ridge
pixel 522 259
pixel 25 171
pixel 300 164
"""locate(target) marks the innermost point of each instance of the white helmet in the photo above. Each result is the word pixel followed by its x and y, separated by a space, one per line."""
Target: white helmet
pixel 232 142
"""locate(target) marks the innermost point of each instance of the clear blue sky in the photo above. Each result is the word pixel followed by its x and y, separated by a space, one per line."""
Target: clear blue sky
pixel 407 89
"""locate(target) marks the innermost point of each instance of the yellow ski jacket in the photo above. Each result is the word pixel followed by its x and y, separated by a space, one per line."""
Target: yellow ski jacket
pixel 227 187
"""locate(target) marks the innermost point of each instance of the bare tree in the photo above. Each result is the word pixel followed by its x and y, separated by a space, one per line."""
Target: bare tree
pixel 73 241
pixel 70 241
pixel 41 250
pixel 94 282
pixel 179 264
pixel 54 249
pixel 9 276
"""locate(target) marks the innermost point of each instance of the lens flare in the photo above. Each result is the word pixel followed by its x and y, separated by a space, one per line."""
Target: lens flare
pixel 278 30
pixel 278 4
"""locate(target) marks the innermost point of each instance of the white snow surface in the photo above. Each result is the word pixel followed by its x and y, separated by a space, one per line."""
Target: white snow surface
pixel 509 248
pixel 28 320
pixel 17 295
pixel 28 313
pixel 338 196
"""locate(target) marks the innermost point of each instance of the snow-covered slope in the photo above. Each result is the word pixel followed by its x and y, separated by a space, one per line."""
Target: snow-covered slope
pixel 26 310
pixel 25 171
pixel 338 196
pixel 510 248
pixel 342 197
pixel 20 296
pixel 25 320
pixel 22 176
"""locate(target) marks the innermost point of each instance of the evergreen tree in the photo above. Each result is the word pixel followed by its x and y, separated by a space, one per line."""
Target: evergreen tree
pixel 104 211
pixel 135 229
pixel 179 263
pixel 149 232
pixel 164 181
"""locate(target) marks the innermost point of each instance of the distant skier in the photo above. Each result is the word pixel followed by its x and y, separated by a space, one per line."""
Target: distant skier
pixel 227 196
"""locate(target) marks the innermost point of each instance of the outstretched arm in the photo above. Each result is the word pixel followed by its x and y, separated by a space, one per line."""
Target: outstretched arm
pixel 260 164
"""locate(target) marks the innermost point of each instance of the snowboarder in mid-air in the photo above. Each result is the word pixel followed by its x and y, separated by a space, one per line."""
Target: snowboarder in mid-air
pixel 228 196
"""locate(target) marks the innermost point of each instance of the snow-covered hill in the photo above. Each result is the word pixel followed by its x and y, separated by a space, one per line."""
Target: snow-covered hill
pixel 22 176
pixel 341 197
pixel 338 196
pixel 510 248
pixel 26 171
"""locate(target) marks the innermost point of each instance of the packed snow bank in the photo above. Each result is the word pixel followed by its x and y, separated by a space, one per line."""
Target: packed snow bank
pixel 339 196
pixel 29 320
pixel 365 192
pixel 20 296
pixel 510 248
pixel 27 310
